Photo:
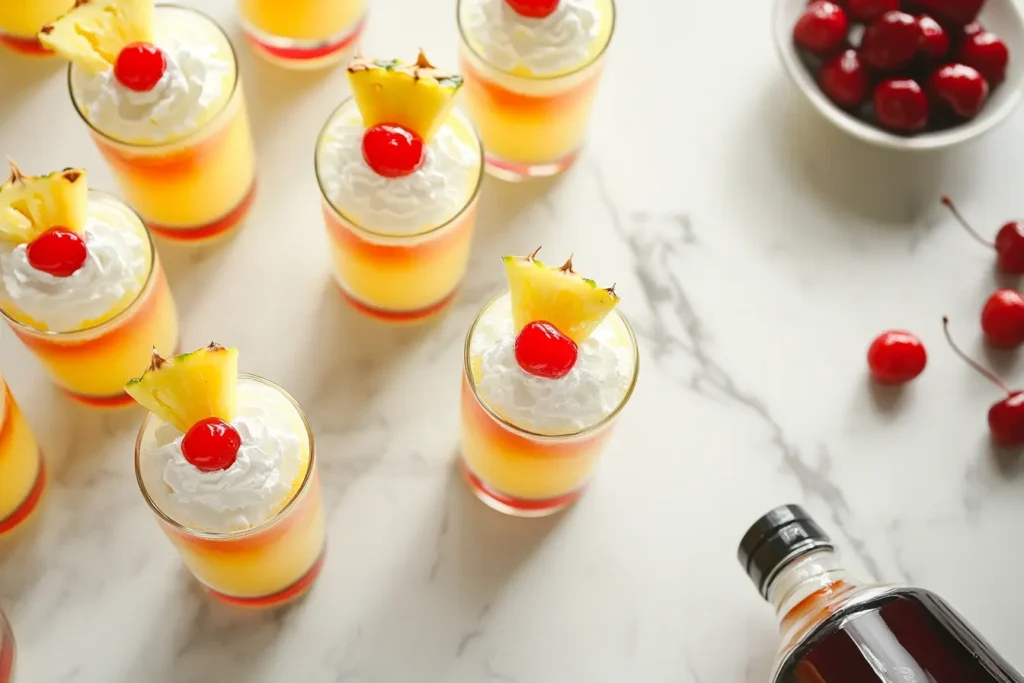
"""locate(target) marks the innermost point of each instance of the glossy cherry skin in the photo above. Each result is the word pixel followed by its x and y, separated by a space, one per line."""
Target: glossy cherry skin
pixel 987 53
pixel 961 88
pixel 953 12
pixel 1006 420
pixel 140 66
pixel 392 151
pixel 822 27
pixel 1009 246
pixel 901 105
pixel 934 39
pixel 1002 319
pixel 869 10
pixel 891 41
pixel 533 9
pixel 211 445
pixel 971 28
pixel 542 350
pixel 58 252
pixel 896 357
pixel 844 79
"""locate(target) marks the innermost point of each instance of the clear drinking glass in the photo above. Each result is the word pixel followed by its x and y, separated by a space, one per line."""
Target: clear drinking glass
pixel 22 472
pixel 520 472
pixel 268 565
pixel 303 34
pixel 531 125
pixel 196 187
pixel 7 650
pixel 20 21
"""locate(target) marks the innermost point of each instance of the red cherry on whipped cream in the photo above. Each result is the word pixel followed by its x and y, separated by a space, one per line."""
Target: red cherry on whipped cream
pixel 391 150
pixel 543 351
pixel 211 445
pixel 533 9
pixel 140 66
pixel 58 252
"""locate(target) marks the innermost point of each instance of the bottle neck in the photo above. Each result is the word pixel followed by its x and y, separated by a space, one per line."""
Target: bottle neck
pixel 805 587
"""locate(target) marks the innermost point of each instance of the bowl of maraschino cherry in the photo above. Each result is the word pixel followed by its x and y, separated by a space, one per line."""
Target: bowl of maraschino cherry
pixel 908 75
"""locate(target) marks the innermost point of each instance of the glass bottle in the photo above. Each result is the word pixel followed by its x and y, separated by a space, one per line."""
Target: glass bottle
pixel 838 630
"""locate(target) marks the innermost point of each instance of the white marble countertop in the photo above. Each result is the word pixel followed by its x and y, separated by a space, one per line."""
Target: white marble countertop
pixel 757 250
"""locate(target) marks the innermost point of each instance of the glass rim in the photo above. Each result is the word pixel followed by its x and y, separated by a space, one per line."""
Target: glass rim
pixel 391 237
pixel 552 77
pixel 265 524
pixel 175 141
pixel 467 369
pixel 152 268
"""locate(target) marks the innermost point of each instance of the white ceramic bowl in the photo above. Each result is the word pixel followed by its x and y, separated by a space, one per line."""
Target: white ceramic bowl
pixel 999 16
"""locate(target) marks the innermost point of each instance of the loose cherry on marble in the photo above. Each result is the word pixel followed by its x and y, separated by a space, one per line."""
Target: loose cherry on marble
pixel 961 88
pixel 869 10
pixel 844 79
pixel 542 350
pixel 901 105
pixel 211 445
pixel 935 40
pixel 1005 418
pixel 891 41
pixel 140 66
pixel 822 27
pixel 533 9
pixel 58 252
pixel 1009 244
pixel 953 12
pixel 1002 319
pixel 987 53
pixel 391 150
pixel 896 357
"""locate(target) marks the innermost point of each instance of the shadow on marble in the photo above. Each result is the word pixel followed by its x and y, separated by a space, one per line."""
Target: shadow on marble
pixel 22 75
pixel 1003 362
pixel 1008 462
pixel 501 203
pixel 191 269
pixel 888 399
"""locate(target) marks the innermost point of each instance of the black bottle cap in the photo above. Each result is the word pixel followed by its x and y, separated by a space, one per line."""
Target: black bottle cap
pixel 775 540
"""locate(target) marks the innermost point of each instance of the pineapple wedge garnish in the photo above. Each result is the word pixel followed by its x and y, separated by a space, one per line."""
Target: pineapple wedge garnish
pixel 417 96
pixel 189 387
pixel 31 205
pixel 94 32
pixel 560 296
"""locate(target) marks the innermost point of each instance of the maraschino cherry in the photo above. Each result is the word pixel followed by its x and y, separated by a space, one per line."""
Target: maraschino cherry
pixel 821 28
pixel 1009 244
pixel 891 41
pixel 987 53
pixel 961 88
pixel 391 150
pixel 1005 418
pixel 869 10
pixel 211 445
pixel 542 350
pixel 58 252
pixel 896 357
pixel 533 9
pixel 934 39
pixel 845 80
pixel 901 105
pixel 1002 319
pixel 140 66
pixel 953 12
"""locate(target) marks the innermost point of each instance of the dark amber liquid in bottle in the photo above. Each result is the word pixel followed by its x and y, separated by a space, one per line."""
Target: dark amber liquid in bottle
pixel 906 636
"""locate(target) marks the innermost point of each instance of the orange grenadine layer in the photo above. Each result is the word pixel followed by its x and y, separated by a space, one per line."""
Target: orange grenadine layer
pixel 21 466
pixel 515 466
pixel 400 275
pixel 257 565
pixel 193 184
pixel 95 364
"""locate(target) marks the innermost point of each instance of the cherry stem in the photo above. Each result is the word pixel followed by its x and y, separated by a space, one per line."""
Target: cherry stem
pixel 948 203
pixel 970 361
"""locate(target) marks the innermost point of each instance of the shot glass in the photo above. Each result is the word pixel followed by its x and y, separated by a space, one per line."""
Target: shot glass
pixel 20 21
pixel 531 126
pixel 22 479
pixel 193 188
pixel 399 278
pixel 265 566
pixel 520 472
pixel 7 650
pixel 303 34
pixel 91 365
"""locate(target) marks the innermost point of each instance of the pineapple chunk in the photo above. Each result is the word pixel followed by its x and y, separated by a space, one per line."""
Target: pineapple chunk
pixel 415 96
pixel 31 205
pixel 573 304
pixel 93 33
pixel 190 386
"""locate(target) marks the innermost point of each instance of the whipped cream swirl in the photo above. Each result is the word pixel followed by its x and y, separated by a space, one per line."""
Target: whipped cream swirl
pixel 591 391
pixel 559 42
pixel 430 196
pixel 192 83
pixel 240 497
pixel 114 271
